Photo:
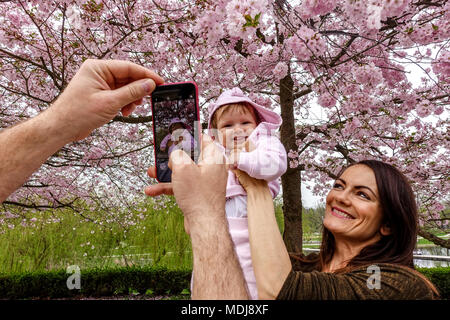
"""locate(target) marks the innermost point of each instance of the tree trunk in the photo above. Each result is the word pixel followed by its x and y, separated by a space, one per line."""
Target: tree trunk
pixel 291 180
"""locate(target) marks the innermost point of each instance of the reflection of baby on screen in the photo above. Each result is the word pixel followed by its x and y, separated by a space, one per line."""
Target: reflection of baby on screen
pixel 178 138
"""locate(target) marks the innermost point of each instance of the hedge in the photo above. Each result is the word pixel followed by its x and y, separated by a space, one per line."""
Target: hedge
pixel 440 277
pixel 142 280
pixel 95 283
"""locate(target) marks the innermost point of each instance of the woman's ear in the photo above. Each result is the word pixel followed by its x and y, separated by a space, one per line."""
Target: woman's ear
pixel 385 230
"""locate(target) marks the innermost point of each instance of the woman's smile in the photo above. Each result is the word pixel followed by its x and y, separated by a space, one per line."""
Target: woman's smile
pixel 341 213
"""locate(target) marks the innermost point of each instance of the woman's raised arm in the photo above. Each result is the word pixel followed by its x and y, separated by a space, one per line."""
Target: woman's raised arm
pixel 270 258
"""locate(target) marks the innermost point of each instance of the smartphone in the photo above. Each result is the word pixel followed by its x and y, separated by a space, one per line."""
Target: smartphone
pixel 176 124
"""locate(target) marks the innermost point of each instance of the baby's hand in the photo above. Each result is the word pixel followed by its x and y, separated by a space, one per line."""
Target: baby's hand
pixel 238 143
pixel 248 146
pixel 233 159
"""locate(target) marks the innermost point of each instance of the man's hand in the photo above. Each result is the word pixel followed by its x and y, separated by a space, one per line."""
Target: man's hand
pixel 195 186
pixel 99 91
pixel 199 190
pixel 95 95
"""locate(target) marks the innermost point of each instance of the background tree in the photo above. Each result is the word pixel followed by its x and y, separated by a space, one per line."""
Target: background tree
pixel 379 70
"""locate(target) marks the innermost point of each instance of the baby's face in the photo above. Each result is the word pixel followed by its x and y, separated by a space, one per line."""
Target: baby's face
pixel 234 127
pixel 176 126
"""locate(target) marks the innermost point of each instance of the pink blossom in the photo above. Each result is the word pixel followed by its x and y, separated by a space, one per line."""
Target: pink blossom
pixel 280 70
pixel 293 164
pixel 74 17
pixel 368 74
pixel 441 66
pixel 310 8
pixel 350 56
pixel 326 100
pixel 423 109
pixel 439 110
pixel 305 43
pixel 374 15
pixel 292 154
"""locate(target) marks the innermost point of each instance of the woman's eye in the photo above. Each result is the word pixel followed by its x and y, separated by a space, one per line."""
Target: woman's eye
pixel 337 186
pixel 362 194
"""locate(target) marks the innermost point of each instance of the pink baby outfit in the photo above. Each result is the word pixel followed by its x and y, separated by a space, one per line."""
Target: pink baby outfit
pixel 188 142
pixel 268 161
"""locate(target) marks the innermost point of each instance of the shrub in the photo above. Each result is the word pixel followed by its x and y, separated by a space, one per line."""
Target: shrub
pixel 132 280
pixel 440 277
pixel 95 282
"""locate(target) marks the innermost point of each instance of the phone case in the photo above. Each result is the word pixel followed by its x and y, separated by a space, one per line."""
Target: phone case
pixel 197 115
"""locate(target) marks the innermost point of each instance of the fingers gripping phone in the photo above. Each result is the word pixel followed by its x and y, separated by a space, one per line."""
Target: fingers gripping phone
pixel 176 124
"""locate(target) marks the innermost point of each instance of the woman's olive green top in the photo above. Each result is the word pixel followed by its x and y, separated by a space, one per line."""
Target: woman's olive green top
pixel 381 281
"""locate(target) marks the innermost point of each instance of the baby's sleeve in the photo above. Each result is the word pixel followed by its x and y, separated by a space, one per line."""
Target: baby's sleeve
pixel 268 161
pixel 163 143
pixel 188 142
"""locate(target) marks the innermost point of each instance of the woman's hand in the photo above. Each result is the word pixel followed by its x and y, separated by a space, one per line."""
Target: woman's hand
pixel 248 183
pixel 271 261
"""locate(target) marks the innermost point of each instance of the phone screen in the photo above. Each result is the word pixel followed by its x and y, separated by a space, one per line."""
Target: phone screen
pixel 176 124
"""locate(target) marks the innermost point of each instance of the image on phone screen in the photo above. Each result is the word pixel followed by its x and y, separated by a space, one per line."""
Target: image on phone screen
pixel 175 124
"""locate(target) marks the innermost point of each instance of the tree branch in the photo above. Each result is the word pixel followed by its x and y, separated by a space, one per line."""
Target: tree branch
pixel 435 239
pixel 132 119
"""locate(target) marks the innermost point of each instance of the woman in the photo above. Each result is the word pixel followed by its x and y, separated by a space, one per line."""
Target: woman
pixel 369 233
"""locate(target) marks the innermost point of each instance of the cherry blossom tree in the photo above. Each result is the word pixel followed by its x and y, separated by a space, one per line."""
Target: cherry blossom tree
pixel 43 43
pixel 352 79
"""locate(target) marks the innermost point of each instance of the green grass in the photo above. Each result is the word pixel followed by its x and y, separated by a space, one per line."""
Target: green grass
pixel 61 238
pixel 424 241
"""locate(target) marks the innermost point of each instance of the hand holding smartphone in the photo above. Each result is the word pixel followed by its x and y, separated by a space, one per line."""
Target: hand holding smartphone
pixel 176 124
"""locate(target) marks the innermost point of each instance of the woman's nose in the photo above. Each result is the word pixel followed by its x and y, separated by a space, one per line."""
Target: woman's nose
pixel 343 197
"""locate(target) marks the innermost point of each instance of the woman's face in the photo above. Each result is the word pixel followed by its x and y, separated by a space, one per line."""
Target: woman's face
pixel 353 211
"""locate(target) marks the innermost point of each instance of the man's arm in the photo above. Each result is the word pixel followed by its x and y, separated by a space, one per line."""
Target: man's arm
pixel 217 272
pixel 25 147
pixel 200 193
pixel 97 92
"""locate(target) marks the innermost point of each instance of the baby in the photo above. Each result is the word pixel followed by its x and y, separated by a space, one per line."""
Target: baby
pixel 235 120
pixel 178 138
